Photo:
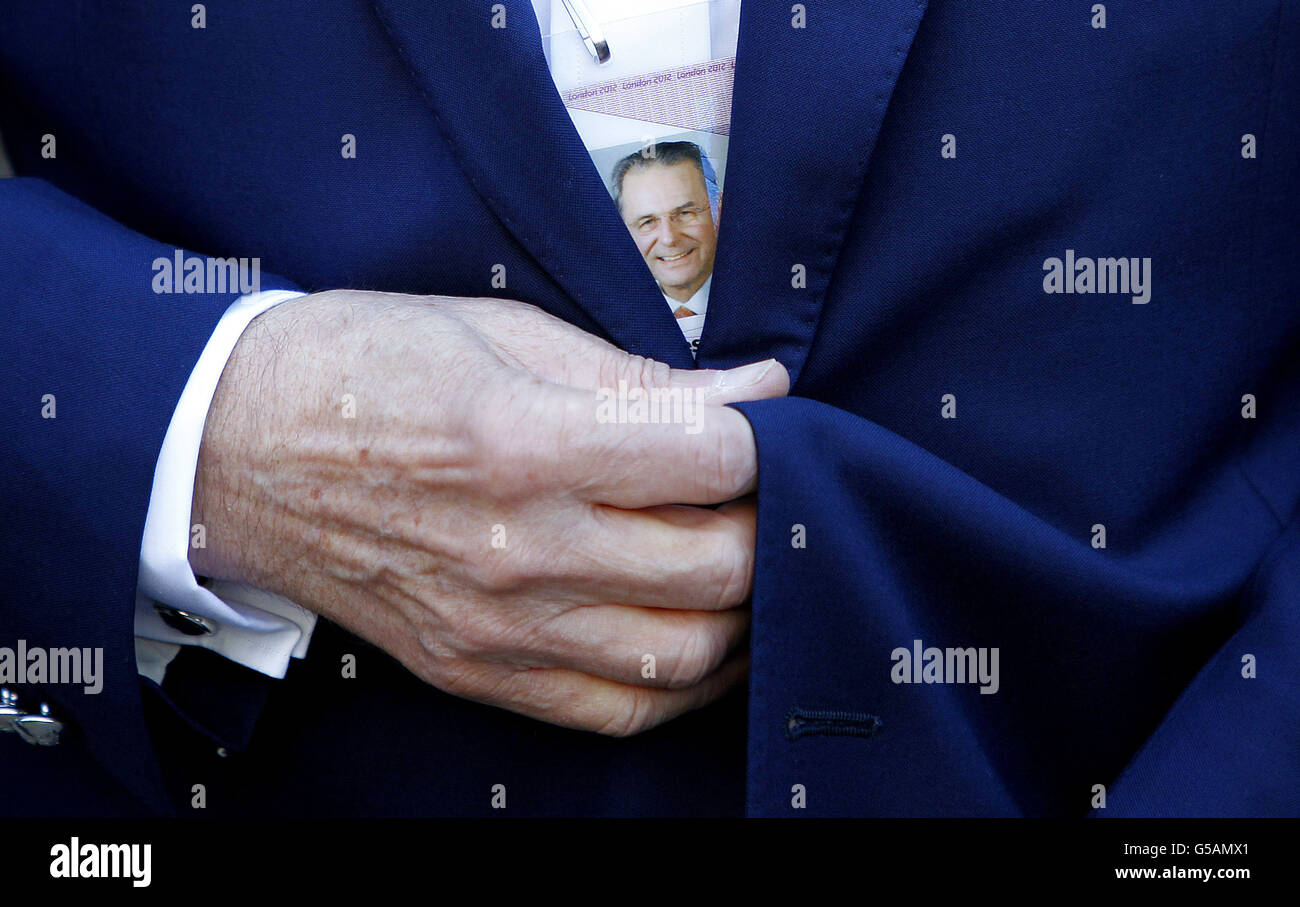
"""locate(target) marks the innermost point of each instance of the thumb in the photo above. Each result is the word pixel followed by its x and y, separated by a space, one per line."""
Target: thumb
pixel 755 381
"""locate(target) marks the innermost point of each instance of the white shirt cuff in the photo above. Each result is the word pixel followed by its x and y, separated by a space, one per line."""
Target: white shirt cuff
pixel 250 626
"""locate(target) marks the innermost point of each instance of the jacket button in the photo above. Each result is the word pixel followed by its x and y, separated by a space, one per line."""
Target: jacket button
pixel 185 621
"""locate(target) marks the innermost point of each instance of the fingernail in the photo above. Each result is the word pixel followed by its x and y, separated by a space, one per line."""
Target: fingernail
pixel 745 375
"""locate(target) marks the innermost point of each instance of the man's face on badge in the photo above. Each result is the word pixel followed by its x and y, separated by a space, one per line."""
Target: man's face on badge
pixel 666 208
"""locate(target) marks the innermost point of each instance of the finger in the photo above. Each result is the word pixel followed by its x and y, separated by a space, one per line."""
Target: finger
pixel 533 340
pixel 582 702
pixel 559 352
pixel 672 556
pixel 671 450
pixel 649 647
pixel 616 369
pixel 755 381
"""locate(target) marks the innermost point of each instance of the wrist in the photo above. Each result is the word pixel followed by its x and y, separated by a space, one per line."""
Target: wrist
pixel 223 501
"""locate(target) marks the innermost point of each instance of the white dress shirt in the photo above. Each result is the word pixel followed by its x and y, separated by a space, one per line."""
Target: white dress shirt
pixel 693 325
pixel 255 628
pixel 251 626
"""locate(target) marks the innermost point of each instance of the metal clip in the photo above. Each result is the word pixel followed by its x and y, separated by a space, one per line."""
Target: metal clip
pixel 592 34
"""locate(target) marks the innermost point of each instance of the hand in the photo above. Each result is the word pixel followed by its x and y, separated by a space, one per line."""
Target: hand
pixel 436 475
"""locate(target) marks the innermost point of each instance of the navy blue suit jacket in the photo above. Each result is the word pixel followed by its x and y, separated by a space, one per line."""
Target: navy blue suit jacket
pixel 1120 666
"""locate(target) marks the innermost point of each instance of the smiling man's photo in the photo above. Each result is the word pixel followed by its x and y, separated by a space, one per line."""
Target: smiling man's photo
pixel 663 196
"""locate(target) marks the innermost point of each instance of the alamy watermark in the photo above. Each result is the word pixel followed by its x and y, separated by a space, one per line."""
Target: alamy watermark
pixel 34 664
pixel 952 665
pixel 1125 276
pixel 200 274
pixel 76 860
pixel 636 405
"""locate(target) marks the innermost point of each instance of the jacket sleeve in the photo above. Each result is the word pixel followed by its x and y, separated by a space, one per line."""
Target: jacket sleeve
pixel 93 362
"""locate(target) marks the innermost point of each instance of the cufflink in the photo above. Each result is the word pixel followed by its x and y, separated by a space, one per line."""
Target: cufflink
pixel 9 711
pixel 38 730
pixel 185 621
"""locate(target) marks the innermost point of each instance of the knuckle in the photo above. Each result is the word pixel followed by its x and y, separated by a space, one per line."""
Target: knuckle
pixel 501 572
pixel 639 371
pixel 464 640
pixel 653 373
pixel 449 672
pixel 698 653
pixel 481 635
pixel 638 711
pixel 722 465
pixel 439 654
pixel 729 572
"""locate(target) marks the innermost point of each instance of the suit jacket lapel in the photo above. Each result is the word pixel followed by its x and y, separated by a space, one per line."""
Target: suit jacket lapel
pixel 806 109
pixel 493 98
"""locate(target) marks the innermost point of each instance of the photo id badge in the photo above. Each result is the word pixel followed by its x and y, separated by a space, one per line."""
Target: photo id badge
pixel 647 84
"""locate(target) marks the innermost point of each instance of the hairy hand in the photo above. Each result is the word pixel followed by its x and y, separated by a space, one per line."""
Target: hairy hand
pixel 438 476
